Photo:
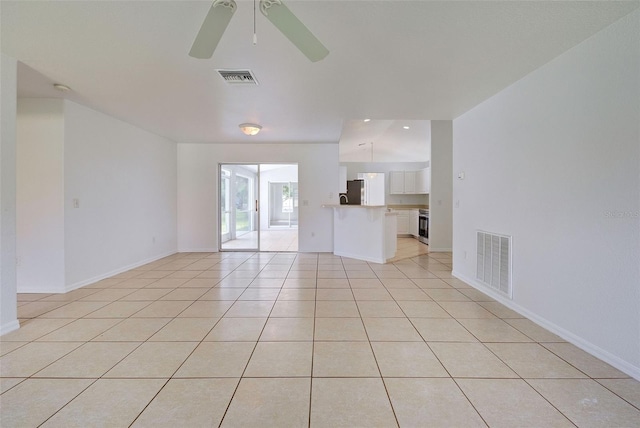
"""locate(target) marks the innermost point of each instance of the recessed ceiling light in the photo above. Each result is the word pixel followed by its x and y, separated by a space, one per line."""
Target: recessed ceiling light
pixel 61 87
pixel 405 127
pixel 367 120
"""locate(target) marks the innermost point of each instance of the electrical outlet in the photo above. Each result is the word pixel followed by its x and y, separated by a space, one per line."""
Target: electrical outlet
pixel 464 255
pixel 313 234
pixel 76 203
pixel 457 204
pixel 153 239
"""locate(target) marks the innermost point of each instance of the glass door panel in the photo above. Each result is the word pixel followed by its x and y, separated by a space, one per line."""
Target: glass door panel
pixel 239 186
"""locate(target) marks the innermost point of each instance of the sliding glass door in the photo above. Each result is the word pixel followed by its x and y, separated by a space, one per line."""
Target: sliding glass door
pixel 239 217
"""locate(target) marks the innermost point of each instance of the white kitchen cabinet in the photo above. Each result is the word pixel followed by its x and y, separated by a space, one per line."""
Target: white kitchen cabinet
pixel 396 182
pixel 403 182
pixel 413 223
pixel 403 222
pixel 423 181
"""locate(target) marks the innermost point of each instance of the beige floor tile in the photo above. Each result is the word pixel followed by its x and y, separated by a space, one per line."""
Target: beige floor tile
pixel 365 283
pixel 431 403
pixel 33 357
pixel 206 309
pixel 465 310
pixel 422 309
pixel 217 359
pixel 335 308
pixel 350 403
pixel 185 294
pixel 583 361
pixel 299 283
pixel 108 295
pixel 288 329
pixel 371 294
pixel 237 329
pixel 390 274
pixel 409 294
pixel 108 403
pixel 428 283
pixel 280 359
pixel 446 295
pixel 33 329
pixel 399 283
pixel 407 359
pixel 297 294
pixel 510 403
pixel 153 359
pixel 629 389
pixel 35 400
pixel 281 402
pixel 80 330
pixel 442 330
pixel 295 274
pixel 133 330
pixel 224 294
pixel 163 309
pixel 147 294
pixel 331 274
pixel 293 309
pixel 492 330
pixel 6 347
pixel 135 283
pixel 171 283
pixel 185 330
pixel 531 360
pixel 74 310
pixel 470 360
pixel 260 294
pixel 361 274
pixel 533 330
pixel 334 294
pixel 379 308
pixel 6 383
pixel 344 359
pixel 189 403
pixel 476 295
pixel 204 283
pixel 350 329
pixel 391 330
pixel 500 310
pixel 587 403
pixel 333 283
pixel 249 309
pixel 118 310
pixel 91 360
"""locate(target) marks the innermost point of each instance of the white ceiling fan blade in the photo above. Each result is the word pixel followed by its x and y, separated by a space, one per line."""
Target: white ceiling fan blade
pixel 212 29
pixel 285 21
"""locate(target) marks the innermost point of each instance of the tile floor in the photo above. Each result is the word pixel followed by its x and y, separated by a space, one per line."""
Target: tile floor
pixel 295 340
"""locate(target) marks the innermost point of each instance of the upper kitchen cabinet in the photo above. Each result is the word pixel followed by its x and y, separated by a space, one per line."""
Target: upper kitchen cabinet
pixel 410 182
pixel 423 181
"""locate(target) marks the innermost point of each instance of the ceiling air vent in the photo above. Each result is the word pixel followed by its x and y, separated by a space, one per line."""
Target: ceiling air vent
pixel 238 77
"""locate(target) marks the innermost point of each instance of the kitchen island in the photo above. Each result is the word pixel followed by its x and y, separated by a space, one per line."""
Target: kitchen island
pixel 364 232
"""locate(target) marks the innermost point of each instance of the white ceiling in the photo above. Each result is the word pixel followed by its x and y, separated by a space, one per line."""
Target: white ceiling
pixel 392 61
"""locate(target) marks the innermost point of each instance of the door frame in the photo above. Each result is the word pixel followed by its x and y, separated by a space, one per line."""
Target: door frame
pixel 254 206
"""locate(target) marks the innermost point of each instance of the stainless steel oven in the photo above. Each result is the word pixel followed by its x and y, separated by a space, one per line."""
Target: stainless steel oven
pixel 423 226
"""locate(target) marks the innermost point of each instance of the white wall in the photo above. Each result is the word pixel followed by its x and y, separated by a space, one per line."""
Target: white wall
pixel 441 206
pixel 353 168
pixel 40 196
pixel 125 179
pixel 554 161
pixel 8 297
pixel 198 189
pixel 278 175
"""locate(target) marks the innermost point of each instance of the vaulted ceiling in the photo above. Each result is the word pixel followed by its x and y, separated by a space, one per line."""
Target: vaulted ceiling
pixel 389 61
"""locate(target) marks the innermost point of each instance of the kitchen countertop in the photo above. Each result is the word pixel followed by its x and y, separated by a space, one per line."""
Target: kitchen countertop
pixel 408 207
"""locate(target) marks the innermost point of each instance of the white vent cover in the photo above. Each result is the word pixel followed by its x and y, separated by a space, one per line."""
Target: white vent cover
pixel 238 77
pixel 494 262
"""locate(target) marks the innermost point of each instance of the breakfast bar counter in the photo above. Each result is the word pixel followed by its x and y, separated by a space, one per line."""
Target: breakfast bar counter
pixel 364 232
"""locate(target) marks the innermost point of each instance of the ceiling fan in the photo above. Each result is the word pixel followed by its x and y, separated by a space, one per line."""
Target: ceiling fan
pixel 219 16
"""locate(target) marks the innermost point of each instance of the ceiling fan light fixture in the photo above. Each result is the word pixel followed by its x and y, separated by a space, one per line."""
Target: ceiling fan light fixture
pixel 250 128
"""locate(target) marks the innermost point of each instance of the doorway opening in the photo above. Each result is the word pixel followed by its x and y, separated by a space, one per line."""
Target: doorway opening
pixel 258 207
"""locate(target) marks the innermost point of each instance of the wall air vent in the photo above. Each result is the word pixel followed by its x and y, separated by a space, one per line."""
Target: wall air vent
pixel 494 262
pixel 238 77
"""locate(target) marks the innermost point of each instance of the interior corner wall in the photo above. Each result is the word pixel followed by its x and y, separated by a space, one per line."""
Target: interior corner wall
pixel 40 196
pixel 441 196
pixel 554 162
pixel 125 182
pixel 198 189
pixel 8 293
